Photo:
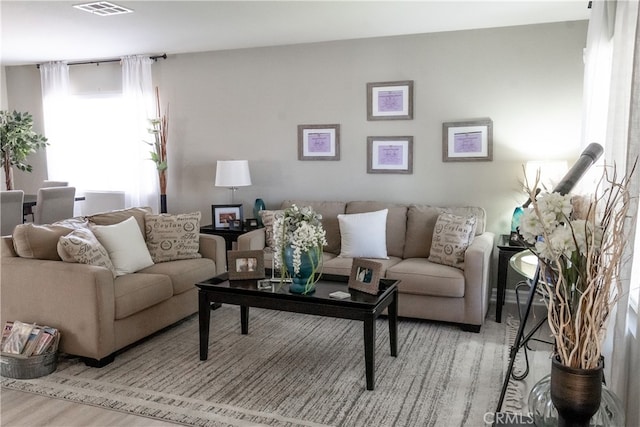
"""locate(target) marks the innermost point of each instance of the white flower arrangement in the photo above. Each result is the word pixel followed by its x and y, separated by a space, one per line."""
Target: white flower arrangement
pixel 299 228
pixel 579 243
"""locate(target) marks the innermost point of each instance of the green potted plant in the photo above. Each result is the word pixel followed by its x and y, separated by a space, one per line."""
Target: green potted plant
pixel 17 141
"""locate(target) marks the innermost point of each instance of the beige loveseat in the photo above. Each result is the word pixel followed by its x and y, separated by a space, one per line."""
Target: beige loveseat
pixel 97 313
pixel 427 290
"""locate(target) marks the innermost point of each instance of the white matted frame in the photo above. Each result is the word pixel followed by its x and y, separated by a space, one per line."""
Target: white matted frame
pixel 390 154
pixel 467 141
pixel 223 215
pixel 390 100
pixel 318 142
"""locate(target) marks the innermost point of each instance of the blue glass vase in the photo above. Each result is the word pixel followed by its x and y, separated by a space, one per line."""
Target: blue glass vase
pixel 257 207
pixel 304 281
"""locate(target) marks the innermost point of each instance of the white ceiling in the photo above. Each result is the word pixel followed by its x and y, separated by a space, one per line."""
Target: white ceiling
pixel 40 31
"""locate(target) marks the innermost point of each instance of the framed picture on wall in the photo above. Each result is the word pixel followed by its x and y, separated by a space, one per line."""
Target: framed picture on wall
pixel 390 100
pixel 467 141
pixel 390 154
pixel 318 142
pixel 224 215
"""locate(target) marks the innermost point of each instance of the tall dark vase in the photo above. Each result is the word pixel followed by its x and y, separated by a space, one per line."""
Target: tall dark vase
pixel 163 203
pixel 257 207
pixel 576 393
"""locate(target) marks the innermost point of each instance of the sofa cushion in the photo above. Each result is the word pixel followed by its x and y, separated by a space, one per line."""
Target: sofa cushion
pixel 268 219
pixel 83 247
pixel 342 266
pixel 396 222
pixel 125 245
pixel 74 223
pixel 173 237
pixel 115 217
pixel 136 292
pixel 184 274
pixel 421 220
pixel 451 237
pixel 329 212
pixel 38 241
pixel 419 276
pixel 363 235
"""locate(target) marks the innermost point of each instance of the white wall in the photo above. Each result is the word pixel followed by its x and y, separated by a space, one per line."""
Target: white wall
pixel 246 104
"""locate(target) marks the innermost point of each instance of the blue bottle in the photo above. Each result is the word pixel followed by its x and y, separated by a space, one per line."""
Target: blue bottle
pixel 257 207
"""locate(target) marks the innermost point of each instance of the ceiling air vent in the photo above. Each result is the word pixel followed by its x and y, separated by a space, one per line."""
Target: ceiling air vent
pixel 103 8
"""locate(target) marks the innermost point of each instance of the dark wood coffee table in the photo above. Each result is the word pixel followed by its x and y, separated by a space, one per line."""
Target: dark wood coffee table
pixel 360 306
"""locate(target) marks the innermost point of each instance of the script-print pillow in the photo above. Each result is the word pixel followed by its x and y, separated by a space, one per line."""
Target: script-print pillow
pixel 82 246
pixel 173 237
pixel 451 237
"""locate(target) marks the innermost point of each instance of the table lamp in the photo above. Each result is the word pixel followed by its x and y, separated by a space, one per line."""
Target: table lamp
pixel 232 174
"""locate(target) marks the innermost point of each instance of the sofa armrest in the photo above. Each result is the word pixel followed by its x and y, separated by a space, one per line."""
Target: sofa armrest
pixel 78 299
pixel 477 266
pixel 214 247
pixel 252 240
pixel 7 249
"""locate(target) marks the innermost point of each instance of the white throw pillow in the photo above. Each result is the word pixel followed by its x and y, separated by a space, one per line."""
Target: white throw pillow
pixel 125 245
pixel 364 235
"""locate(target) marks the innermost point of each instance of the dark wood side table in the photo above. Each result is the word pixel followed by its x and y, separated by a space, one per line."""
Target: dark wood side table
pixel 230 236
pixel 505 251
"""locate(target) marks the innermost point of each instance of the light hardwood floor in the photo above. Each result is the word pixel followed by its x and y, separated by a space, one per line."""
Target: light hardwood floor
pixel 20 409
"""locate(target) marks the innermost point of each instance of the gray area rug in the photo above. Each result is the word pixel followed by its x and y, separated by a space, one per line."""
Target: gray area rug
pixel 294 370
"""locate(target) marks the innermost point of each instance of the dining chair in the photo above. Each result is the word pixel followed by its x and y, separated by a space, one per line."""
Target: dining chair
pixel 54 204
pixel 46 184
pixel 97 201
pixel 11 207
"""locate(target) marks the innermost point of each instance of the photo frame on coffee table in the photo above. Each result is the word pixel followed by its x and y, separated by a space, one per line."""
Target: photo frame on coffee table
pixel 224 215
pixel 365 276
pixel 245 265
pixel 318 142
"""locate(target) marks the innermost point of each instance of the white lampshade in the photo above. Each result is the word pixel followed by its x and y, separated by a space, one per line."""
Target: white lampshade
pixel 232 173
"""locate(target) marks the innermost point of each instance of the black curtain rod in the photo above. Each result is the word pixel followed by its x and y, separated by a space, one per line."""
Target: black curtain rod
pixel 155 58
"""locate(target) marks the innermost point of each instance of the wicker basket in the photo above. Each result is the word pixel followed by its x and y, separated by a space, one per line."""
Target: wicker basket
pixel 28 367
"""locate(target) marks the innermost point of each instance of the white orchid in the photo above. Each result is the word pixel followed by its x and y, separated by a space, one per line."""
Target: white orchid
pixel 299 228
pixel 579 242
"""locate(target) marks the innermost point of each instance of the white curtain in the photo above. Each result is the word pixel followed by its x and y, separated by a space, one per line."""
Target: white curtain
pixel 54 79
pixel 615 25
pixel 137 91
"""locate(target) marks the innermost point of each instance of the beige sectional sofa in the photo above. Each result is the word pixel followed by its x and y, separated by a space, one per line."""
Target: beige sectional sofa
pixel 97 313
pixel 428 290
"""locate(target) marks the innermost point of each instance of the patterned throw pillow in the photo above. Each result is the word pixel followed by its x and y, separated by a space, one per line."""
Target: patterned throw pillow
pixel 268 218
pixel 451 237
pixel 82 246
pixel 173 237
